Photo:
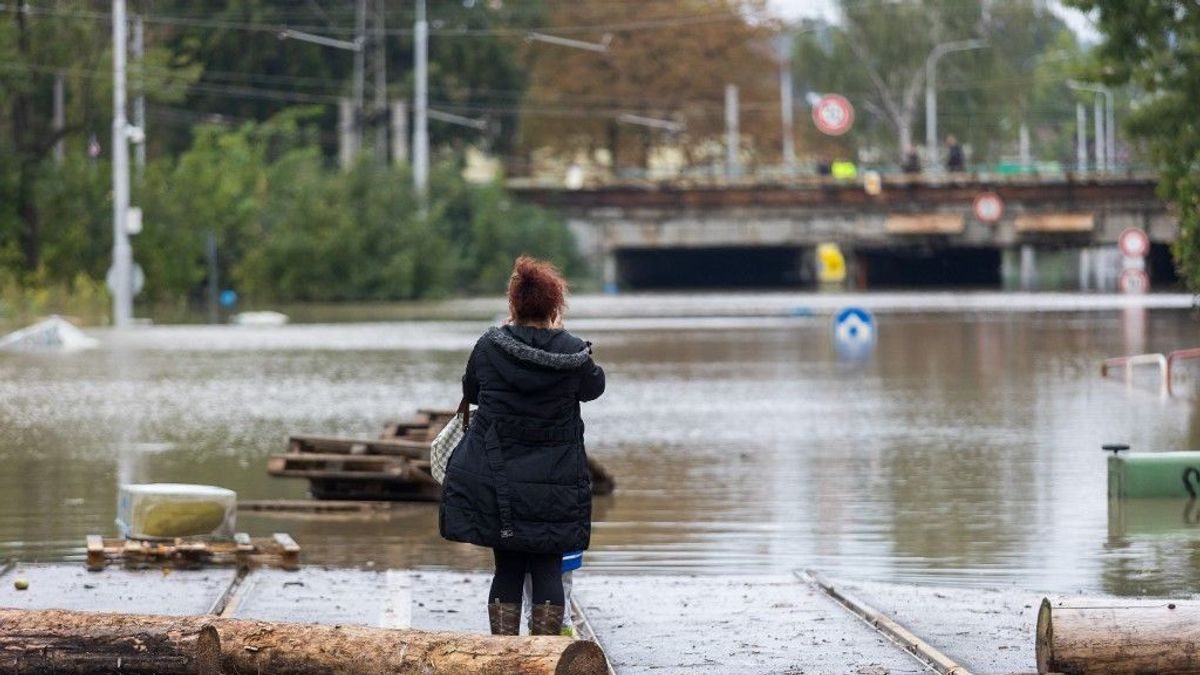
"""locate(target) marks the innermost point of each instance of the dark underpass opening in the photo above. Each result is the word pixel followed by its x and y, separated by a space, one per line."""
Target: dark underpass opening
pixel 709 268
pixel 924 268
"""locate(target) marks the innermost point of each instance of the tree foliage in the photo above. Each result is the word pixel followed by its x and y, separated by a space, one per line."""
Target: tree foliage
pixel 877 54
pixel 676 72
pixel 1155 45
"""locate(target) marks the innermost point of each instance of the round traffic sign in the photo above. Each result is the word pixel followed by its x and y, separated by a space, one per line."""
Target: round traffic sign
pixel 1134 243
pixel 137 279
pixel 854 333
pixel 989 207
pixel 833 114
pixel 1133 281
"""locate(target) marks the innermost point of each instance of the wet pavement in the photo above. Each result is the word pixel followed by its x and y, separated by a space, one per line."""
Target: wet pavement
pixel 647 624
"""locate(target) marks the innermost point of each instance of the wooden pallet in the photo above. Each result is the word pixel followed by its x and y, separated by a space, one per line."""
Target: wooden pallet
pixel 394 467
pixel 279 551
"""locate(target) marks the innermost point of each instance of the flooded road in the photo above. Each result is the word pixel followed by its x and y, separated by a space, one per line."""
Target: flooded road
pixel 966 450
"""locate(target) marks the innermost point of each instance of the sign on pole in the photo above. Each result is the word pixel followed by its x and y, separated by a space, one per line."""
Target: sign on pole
pixel 1134 243
pixel 1134 281
pixel 833 114
pixel 989 208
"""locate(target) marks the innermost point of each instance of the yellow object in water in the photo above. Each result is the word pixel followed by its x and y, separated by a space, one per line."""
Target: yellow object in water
pixel 179 519
pixel 168 510
pixel 831 264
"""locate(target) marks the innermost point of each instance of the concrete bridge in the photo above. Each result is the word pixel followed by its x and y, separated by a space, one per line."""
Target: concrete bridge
pixel 1058 232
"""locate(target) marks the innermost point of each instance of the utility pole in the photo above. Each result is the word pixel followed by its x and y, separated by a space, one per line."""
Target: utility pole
pixel 421 102
pixel 399 132
pixel 60 117
pixel 379 116
pixel 122 253
pixel 1080 138
pixel 786 104
pixel 360 29
pixel 931 134
pixel 1101 158
pixel 139 99
pixel 1111 127
pixel 733 167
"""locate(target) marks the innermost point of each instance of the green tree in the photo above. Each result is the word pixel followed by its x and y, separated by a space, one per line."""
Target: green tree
pixel 1155 46
pixel 876 57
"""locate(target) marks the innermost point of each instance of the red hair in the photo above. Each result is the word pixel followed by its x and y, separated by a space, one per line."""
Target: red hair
pixel 536 290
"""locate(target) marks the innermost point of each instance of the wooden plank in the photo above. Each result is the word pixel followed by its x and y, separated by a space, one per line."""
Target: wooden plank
pixel 191 554
pixel 924 223
pixel 313 506
pixel 401 474
pixel 388 446
pixel 96 559
pixel 1055 222
pixel 294 458
pixel 290 550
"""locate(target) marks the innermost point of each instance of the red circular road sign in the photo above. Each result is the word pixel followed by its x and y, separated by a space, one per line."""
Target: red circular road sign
pixel 989 207
pixel 833 114
pixel 1134 243
pixel 1133 281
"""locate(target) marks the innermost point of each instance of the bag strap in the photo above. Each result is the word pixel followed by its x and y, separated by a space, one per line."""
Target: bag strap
pixel 464 409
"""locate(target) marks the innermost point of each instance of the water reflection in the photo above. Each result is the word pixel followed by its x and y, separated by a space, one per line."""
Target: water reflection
pixel 965 450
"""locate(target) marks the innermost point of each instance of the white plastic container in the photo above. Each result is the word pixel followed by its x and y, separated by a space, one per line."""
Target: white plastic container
pixel 170 510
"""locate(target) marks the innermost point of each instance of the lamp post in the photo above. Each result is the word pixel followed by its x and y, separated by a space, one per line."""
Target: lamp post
pixel 1106 143
pixel 931 91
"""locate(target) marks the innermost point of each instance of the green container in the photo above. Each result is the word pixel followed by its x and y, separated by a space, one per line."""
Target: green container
pixel 1153 517
pixel 1135 475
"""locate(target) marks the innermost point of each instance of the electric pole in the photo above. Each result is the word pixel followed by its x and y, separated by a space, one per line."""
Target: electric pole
pixel 139 99
pixel 733 167
pixel 421 102
pixel 379 115
pixel 122 253
pixel 60 117
pixel 360 29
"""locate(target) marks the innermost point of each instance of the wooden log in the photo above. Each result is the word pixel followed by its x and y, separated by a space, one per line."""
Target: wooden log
pixel 72 642
pixel 275 647
pixel 1076 635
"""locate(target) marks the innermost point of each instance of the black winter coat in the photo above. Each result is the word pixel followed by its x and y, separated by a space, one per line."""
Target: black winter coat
pixel 519 480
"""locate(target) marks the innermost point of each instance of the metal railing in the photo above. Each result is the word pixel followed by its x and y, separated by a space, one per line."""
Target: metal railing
pixel 1166 366
pixel 1127 363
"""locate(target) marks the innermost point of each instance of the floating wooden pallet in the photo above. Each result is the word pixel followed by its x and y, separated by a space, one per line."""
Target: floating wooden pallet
pixel 278 551
pixel 394 467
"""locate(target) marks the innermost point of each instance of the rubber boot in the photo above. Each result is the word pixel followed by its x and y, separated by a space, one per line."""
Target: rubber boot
pixel 546 619
pixel 505 617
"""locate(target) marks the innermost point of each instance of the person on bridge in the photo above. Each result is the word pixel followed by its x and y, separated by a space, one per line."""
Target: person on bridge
pixel 518 482
pixel 955 161
pixel 912 162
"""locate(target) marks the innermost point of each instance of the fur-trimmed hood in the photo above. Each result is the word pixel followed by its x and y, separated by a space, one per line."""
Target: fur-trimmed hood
pixel 504 339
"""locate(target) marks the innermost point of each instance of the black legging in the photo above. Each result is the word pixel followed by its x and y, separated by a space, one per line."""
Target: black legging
pixel 511 568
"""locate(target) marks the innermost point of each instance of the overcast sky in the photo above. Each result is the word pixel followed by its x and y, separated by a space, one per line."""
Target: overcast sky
pixel 792 9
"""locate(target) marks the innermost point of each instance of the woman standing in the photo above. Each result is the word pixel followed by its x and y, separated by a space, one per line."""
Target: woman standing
pixel 518 483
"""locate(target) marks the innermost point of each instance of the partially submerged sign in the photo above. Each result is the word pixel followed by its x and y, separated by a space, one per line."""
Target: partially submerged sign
pixel 53 334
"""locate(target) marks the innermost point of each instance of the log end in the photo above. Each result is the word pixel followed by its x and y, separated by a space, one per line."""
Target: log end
pixel 208 651
pixel 1045 638
pixel 582 657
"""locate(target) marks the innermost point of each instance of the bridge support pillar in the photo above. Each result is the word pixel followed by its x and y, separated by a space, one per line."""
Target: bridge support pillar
pixel 609 273
pixel 1029 275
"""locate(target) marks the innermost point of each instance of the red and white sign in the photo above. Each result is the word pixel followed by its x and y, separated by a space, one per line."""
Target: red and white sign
pixel 1133 243
pixel 989 208
pixel 833 115
pixel 1134 281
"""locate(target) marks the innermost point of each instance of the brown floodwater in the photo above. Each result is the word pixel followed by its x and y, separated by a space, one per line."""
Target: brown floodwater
pixel 964 450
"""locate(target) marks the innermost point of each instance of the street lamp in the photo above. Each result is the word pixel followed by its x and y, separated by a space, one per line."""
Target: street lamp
pixel 930 86
pixel 1106 143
